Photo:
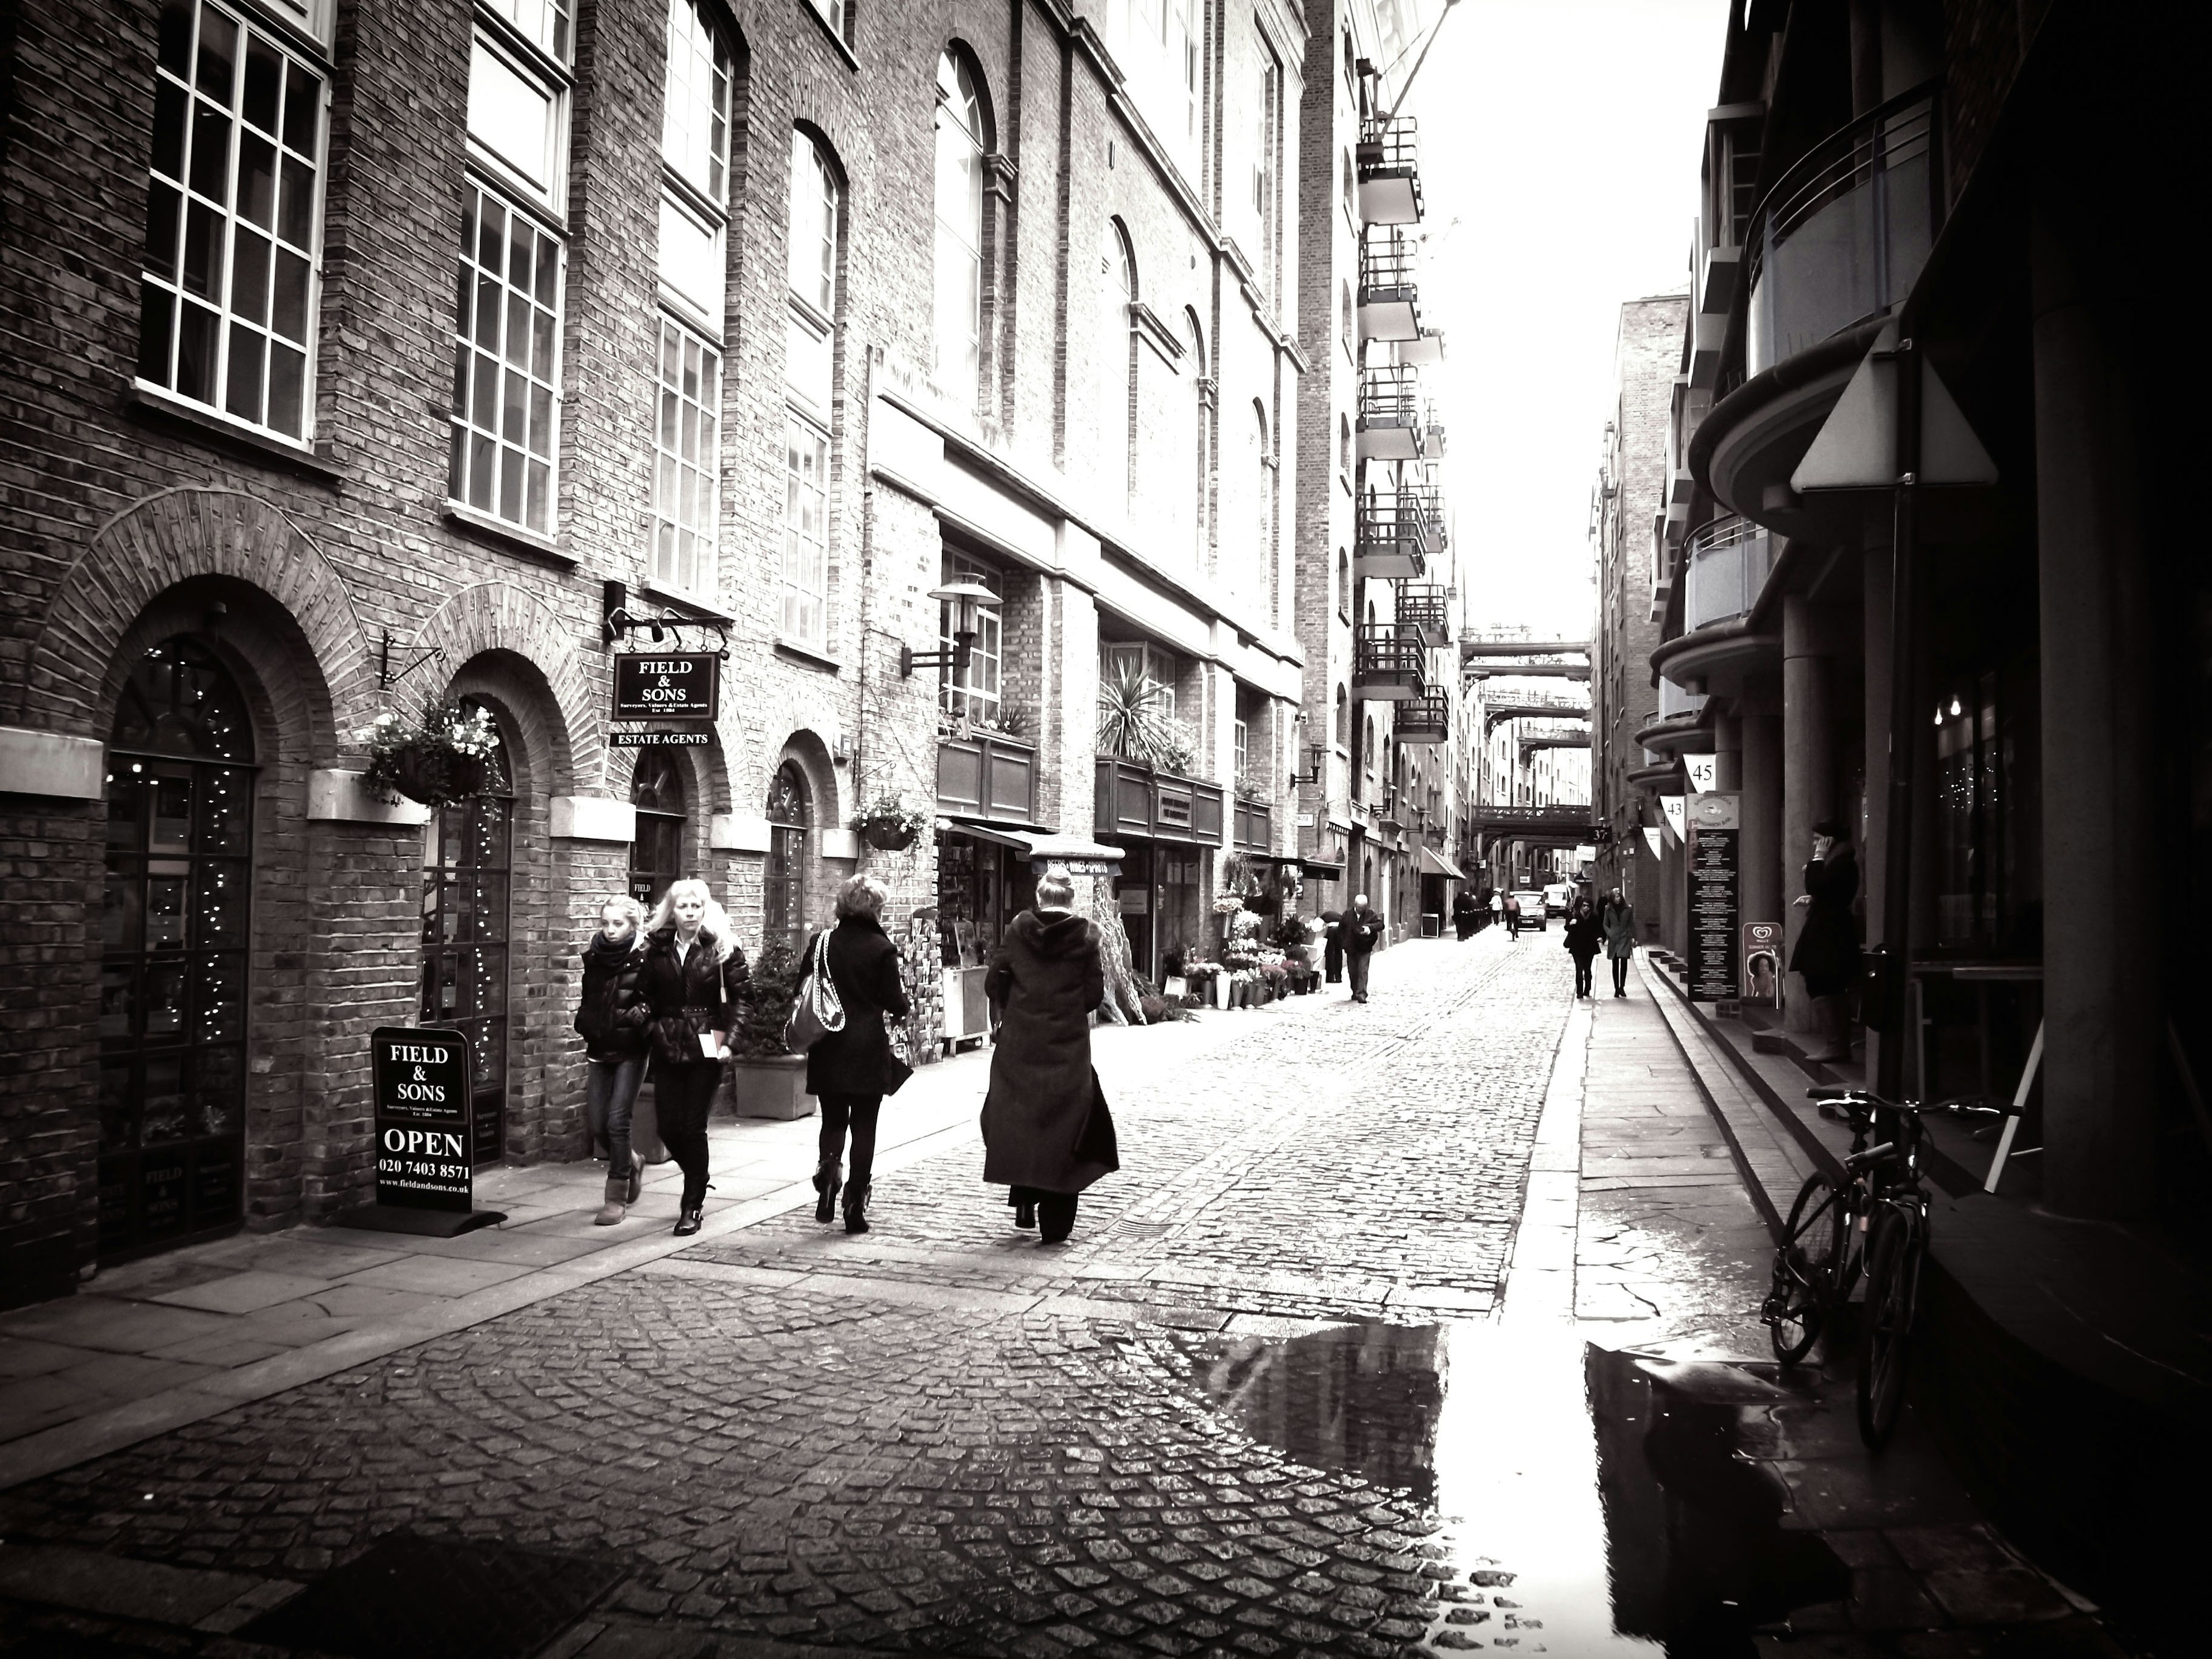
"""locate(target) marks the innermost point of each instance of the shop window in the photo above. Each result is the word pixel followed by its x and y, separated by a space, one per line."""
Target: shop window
pixel 973 694
pixel 467 866
pixel 173 952
pixel 962 141
pixel 233 221
pixel 656 855
pixel 783 881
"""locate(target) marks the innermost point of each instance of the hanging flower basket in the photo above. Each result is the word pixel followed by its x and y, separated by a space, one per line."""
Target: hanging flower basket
pixel 890 825
pixel 443 758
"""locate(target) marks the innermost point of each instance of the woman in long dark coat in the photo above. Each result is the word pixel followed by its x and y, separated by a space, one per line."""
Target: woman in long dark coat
pixel 693 968
pixel 1046 1133
pixel 853 1068
pixel 1827 953
pixel 1585 939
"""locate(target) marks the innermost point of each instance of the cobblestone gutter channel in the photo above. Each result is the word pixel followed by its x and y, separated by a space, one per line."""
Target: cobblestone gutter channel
pixel 941 1437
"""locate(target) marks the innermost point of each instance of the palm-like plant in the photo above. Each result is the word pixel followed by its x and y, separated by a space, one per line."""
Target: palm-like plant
pixel 1132 724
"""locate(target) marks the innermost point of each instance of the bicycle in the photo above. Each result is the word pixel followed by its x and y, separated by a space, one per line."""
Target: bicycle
pixel 1874 1220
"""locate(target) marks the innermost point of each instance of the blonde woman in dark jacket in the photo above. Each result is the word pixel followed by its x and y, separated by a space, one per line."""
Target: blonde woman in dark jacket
pixel 610 1018
pixel 693 968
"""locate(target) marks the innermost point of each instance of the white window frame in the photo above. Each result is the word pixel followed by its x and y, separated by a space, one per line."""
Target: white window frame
pixel 697 53
pixel 978 692
pixel 802 612
pixel 236 328
pixel 1117 367
pixel 959 247
pixel 803 608
pixel 1244 748
pixel 1267 166
pixel 549 77
pixel 548 25
pixel 474 423
pixel 681 479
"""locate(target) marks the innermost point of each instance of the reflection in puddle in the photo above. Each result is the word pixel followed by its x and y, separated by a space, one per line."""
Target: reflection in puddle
pixel 1360 1397
pixel 1610 1491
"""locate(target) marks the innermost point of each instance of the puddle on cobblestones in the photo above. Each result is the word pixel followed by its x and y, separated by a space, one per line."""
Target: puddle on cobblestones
pixel 1588 1502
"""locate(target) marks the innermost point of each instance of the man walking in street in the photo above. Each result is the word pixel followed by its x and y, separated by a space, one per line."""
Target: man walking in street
pixel 1361 929
pixel 1512 918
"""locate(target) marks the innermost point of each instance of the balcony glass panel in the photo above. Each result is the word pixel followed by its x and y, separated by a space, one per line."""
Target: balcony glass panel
pixel 1844 234
pixel 1729 561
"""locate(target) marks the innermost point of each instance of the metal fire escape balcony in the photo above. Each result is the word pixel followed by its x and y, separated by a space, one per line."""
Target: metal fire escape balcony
pixel 1389 298
pixel 1390 427
pixel 1387 666
pixel 1429 515
pixel 1388 542
pixel 1389 163
pixel 1424 609
pixel 1424 718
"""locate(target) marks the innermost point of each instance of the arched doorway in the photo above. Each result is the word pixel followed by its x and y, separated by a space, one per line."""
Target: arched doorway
pixel 783 885
pixel 467 859
pixel 173 952
pixel 656 852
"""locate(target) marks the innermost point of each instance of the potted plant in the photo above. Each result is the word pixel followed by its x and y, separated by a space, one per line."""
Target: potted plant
pixel 767 1078
pixel 443 758
pixel 890 825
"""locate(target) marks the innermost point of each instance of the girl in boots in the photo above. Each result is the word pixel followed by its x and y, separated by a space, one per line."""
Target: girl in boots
pixel 851 1070
pixel 693 968
pixel 611 1019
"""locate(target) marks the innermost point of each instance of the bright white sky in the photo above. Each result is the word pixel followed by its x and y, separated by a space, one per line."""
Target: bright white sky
pixel 1559 149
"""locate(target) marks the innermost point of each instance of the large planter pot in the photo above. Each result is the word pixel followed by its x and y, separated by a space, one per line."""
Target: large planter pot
pixel 887 837
pixel 772 1085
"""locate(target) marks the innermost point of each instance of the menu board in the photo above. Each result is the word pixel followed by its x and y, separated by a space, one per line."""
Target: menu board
pixel 1715 899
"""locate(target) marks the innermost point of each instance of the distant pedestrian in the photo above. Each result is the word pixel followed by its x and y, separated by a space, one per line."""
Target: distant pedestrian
pixel 1363 929
pixel 1616 919
pixel 1513 918
pixel 1585 939
pixel 1827 953
pixel 693 968
pixel 1332 954
pixel 1464 914
pixel 610 1018
pixel 1047 1132
pixel 853 1068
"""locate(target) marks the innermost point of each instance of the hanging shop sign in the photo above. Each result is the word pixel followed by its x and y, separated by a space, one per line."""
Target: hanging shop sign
pixel 655 685
pixel 421 1078
pixel 1713 898
pixel 1704 772
pixel 693 738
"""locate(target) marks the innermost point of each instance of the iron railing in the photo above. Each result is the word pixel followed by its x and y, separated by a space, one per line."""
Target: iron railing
pixel 1390 395
pixel 1388 148
pixel 1424 609
pixel 1388 258
pixel 1726 566
pixel 1842 235
pixel 1424 718
pixel 1388 663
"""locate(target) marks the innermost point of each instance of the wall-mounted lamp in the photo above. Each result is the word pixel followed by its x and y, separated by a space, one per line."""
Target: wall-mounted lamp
pixel 1315 766
pixel 968 601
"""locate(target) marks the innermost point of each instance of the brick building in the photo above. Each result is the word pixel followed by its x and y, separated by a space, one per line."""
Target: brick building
pixel 1628 518
pixel 1378 609
pixel 354 352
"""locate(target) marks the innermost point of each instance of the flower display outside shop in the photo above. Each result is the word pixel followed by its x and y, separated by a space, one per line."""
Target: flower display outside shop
pixel 444 756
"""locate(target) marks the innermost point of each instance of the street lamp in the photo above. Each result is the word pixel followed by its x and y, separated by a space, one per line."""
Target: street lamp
pixel 968 600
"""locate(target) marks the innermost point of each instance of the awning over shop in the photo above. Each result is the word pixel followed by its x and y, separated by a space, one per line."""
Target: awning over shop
pixel 999 834
pixel 1039 846
pixel 1321 870
pixel 1434 863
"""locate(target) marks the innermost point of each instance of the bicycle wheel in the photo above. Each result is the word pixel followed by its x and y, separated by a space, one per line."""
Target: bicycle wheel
pixel 1805 1265
pixel 1892 1290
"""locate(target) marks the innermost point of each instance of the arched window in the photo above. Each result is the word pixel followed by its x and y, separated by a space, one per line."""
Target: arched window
pixel 656 854
pixel 1343 585
pixel 1367 748
pixel 783 882
pixel 1343 325
pixel 1194 339
pixel 809 371
pixel 1117 363
pixel 1342 730
pixel 1344 446
pixel 961 141
pixel 467 863
pixel 173 951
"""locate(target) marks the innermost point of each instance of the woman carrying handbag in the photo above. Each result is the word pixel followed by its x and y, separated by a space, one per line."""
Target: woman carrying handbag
pixel 850 1066
pixel 692 971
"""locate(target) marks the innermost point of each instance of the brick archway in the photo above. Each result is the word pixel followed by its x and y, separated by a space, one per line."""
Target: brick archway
pixel 499 617
pixel 157 545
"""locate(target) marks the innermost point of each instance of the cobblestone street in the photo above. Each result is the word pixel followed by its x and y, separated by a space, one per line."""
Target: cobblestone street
pixel 1281 1393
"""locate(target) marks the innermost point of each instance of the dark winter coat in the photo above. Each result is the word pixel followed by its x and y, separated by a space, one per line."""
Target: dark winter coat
pixel 857 1059
pixel 1828 952
pixel 1585 939
pixel 1045 1121
pixel 1618 923
pixel 611 1015
pixel 1463 908
pixel 686 998
pixel 1360 930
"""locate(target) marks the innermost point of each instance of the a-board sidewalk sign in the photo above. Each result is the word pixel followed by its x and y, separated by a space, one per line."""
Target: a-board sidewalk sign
pixel 424 1181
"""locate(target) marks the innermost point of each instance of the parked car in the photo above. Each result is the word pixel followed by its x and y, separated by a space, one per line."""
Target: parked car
pixel 1559 898
pixel 1532 908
